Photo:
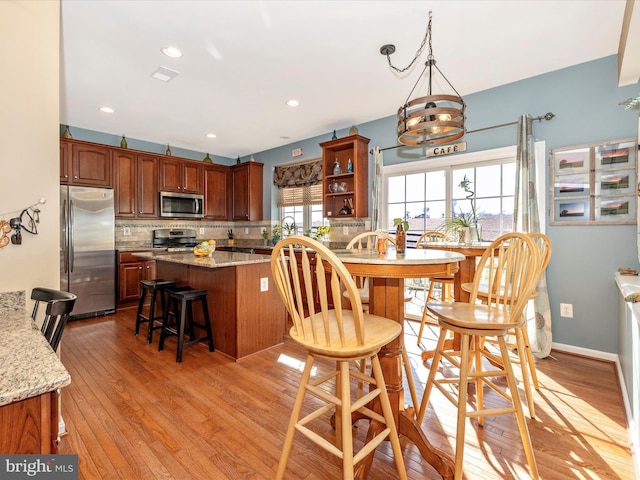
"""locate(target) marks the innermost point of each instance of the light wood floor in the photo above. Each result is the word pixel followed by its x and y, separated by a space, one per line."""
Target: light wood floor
pixel 133 413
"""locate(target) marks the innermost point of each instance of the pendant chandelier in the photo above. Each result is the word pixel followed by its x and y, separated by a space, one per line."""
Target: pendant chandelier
pixel 430 120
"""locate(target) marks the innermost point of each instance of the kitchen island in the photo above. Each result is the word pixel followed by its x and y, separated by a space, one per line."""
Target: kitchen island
pixel 247 314
pixel 30 376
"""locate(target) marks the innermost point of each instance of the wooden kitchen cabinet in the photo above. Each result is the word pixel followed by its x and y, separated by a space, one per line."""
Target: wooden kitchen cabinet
pixel 30 426
pixel 246 179
pixel 135 182
pixel 131 270
pixel 84 163
pixel 182 176
pixel 217 186
pixel 354 148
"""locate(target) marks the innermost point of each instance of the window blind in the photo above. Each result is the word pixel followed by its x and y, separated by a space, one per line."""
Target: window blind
pixel 308 195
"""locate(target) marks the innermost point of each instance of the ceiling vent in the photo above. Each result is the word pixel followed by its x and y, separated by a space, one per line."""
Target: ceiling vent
pixel 165 74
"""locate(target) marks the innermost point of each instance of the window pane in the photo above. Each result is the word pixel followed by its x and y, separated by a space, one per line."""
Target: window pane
pixel 436 185
pixel 415 187
pixel 395 211
pixel 395 190
pixel 487 182
pixel 509 179
pixel 456 177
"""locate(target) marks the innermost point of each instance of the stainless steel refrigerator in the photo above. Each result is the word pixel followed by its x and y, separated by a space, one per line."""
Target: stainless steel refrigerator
pixel 87 249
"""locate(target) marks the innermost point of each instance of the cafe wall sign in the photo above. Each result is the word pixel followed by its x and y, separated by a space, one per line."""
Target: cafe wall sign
pixel 447 149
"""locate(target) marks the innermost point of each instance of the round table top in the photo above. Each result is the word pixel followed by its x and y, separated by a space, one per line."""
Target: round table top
pixel 414 263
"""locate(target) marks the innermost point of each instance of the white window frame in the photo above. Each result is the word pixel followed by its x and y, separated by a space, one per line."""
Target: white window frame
pixel 485 157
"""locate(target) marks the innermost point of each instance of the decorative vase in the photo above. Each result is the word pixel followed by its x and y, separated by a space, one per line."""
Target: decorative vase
pixel 476 233
pixel 274 240
pixel 66 133
pixel 207 159
pixel 401 239
pixel 464 235
pixel 123 142
pixel 168 151
pixel 353 130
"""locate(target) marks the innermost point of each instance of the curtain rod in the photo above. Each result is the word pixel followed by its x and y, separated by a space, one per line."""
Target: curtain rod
pixel 547 116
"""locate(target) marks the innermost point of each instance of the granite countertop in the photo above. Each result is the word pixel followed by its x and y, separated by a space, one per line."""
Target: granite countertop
pixel 216 260
pixel 28 365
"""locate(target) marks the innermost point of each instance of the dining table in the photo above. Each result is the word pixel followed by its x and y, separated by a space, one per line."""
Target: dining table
pixel 387 272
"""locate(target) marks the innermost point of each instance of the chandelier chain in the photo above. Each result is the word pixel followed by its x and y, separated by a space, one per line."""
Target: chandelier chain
pixel 427 35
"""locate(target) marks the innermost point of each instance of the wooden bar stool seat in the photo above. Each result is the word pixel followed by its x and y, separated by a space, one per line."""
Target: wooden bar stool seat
pixel 153 288
pixel 180 308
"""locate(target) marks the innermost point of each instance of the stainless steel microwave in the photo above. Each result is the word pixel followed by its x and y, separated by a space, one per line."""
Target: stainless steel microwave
pixel 181 205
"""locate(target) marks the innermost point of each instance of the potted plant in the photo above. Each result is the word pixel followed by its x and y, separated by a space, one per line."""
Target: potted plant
pixel 401 234
pixel 276 233
pixel 265 236
pixel 464 225
pixel 289 228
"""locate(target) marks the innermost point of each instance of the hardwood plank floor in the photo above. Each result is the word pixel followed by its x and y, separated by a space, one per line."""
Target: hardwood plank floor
pixel 132 412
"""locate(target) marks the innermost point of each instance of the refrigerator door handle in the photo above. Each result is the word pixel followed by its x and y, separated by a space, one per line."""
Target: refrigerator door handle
pixel 71 249
pixel 65 240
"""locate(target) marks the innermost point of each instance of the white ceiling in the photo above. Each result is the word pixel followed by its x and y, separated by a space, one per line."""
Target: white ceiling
pixel 244 59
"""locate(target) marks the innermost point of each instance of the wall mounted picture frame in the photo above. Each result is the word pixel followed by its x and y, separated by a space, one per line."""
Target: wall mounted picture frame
pixel 595 183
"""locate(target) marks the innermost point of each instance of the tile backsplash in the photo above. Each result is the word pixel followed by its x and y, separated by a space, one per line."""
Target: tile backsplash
pixel 140 231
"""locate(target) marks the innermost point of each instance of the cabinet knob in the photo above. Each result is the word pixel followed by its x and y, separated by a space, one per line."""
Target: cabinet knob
pixel 75 176
pixel 139 268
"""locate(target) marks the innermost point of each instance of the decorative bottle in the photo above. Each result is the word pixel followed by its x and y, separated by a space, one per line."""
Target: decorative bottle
pixel 207 159
pixel 336 168
pixel 345 210
pixel 123 142
pixel 349 166
pixel 334 137
pixel 168 151
pixel 66 133
pixel 401 239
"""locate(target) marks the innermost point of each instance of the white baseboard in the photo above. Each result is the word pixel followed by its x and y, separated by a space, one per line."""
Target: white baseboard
pixel 611 357
pixel 585 352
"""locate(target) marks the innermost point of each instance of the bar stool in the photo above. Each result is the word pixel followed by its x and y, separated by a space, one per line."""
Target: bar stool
pixel 182 302
pixel 153 287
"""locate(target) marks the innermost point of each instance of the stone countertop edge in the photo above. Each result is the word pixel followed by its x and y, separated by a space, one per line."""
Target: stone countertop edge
pixel 28 365
pixel 216 260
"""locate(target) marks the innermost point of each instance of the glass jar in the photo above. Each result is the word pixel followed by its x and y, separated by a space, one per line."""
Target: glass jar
pixel 337 170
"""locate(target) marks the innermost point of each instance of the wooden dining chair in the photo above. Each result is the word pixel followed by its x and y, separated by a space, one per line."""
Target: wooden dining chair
pixel 512 264
pixel 525 356
pixel 446 282
pixel 368 241
pixel 59 307
pixel 339 335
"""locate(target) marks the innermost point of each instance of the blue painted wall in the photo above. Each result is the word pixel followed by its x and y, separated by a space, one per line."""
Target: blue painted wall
pixel 585 100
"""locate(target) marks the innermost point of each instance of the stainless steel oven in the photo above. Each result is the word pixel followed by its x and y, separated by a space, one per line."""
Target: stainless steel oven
pixel 181 205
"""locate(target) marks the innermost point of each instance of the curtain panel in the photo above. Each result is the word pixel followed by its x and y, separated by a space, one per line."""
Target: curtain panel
pixel 526 219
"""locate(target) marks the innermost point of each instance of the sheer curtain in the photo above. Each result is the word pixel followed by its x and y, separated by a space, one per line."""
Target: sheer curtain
pixel 526 218
pixel 376 190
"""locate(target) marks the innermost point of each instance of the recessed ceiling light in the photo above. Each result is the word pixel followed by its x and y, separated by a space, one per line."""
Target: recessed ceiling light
pixel 285 137
pixel 107 109
pixel 293 103
pixel 172 52
pixel 211 135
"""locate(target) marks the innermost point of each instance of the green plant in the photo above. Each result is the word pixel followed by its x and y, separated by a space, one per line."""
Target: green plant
pixel 289 228
pixel 265 234
pixel 276 231
pixel 400 221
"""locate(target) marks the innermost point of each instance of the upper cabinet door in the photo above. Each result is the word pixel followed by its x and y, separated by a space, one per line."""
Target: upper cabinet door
pixel 182 176
pixel 124 183
pixel 217 199
pixel 147 191
pixel 247 191
pixel 170 175
pixel 65 161
pixel 192 177
pixel 90 165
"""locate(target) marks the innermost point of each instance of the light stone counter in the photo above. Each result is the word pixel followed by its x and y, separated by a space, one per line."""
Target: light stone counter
pixel 216 260
pixel 28 365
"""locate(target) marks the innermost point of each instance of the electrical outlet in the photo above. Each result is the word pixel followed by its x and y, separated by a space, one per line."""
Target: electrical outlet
pixel 264 284
pixel 126 231
pixel 345 230
pixel 246 231
pixel 566 310
pixel 201 230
